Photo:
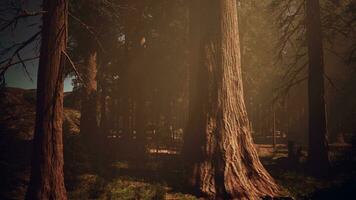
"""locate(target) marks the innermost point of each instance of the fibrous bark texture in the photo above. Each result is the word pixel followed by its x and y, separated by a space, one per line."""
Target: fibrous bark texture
pixel 47 180
pixel 318 157
pixel 222 162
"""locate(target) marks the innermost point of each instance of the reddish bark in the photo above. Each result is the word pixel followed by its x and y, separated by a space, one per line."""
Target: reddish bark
pixel 46 181
pixel 222 162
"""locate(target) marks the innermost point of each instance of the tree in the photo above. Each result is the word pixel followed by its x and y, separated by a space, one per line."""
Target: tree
pixel 135 33
pixel 221 160
pixel 85 42
pixel 46 181
pixel 304 27
pixel 318 157
pixel 103 105
pixel 88 39
pixel 88 121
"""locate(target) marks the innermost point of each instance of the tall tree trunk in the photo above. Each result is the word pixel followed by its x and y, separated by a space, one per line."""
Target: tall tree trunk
pixel 318 157
pixel 140 145
pixel 126 92
pixel 88 121
pixel 46 181
pixel 103 107
pixel 126 118
pixel 135 35
pixel 116 107
pixel 223 162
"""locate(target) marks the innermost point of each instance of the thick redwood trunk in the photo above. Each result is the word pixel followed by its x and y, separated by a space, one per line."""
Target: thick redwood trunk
pixel 223 162
pixel 88 121
pixel 47 180
pixel 318 157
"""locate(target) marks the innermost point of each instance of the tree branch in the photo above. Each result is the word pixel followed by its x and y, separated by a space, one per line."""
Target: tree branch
pixel 89 29
pixel 23 14
pixel 74 67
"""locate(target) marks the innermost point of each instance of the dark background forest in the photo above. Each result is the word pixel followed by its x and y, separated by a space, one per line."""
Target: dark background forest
pixel 178 99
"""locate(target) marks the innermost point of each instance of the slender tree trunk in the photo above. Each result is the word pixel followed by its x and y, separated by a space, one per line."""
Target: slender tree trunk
pixel 46 181
pixel 140 125
pixel 103 107
pixel 318 157
pixel 127 92
pixel 116 113
pixel 126 118
pixel 223 162
pixel 88 121
pixel 274 139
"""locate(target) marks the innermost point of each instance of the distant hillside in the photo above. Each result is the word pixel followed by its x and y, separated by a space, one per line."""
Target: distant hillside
pixel 18 111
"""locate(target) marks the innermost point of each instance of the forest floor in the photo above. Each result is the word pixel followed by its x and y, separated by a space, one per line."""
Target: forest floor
pixel 160 176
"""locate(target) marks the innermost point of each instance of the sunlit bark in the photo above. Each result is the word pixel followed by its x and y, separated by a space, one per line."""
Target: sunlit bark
pixel 221 159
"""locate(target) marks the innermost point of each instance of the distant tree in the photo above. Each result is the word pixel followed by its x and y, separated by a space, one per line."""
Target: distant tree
pixel 302 33
pixel 46 181
pixel 103 104
pixel 88 117
pixel 91 41
pixel 260 69
pixel 221 160
pixel 84 35
pixel 318 156
pixel 135 38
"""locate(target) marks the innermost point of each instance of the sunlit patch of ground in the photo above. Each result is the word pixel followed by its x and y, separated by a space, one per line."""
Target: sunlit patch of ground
pixel 162 151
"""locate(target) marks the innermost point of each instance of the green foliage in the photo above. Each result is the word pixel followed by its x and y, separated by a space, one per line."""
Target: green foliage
pixel 120 189
pixel 91 186
pixel 298 185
